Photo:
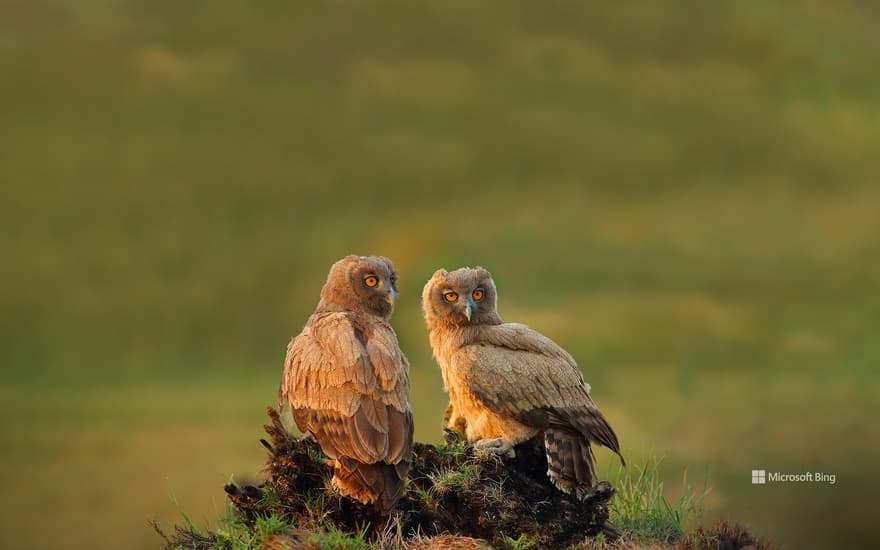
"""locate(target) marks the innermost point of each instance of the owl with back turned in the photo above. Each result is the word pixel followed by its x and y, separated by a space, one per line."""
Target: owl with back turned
pixel 508 384
pixel 347 382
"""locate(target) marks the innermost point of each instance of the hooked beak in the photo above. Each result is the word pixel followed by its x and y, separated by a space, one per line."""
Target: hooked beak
pixel 468 310
pixel 391 297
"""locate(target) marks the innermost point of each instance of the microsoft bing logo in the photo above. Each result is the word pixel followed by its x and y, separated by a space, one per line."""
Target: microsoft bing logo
pixel 762 477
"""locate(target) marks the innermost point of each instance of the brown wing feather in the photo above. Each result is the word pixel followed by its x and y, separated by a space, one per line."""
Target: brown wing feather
pixel 517 371
pixel 352 396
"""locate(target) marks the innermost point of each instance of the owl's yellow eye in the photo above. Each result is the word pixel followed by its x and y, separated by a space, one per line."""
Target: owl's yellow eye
pixel 478 294
pixel 450 296
pixel 371 281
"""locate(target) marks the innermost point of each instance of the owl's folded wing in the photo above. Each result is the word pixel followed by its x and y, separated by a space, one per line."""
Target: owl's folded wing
pixel 517 371
pixel 351 395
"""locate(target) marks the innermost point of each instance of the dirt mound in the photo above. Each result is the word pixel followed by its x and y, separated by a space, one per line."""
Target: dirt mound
pixel 454 499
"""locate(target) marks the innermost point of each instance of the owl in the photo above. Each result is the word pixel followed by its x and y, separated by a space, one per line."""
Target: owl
pixel 347 382
pixel 508 383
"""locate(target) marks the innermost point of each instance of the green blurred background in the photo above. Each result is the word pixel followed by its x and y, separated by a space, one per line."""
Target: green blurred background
pixel 686 195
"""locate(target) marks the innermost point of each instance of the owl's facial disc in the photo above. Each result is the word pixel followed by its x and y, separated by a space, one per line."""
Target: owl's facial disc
pixel 366 284
pixel 378 284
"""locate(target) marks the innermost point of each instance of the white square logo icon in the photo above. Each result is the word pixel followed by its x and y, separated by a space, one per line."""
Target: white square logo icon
pixel 759 477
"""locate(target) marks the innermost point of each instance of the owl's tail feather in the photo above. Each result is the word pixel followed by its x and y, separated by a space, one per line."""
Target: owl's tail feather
pixel 569 461
pixel 593 426
pixel 378 483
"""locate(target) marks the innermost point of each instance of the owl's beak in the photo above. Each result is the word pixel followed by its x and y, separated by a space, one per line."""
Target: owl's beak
pixel 468 310
pixel 391 297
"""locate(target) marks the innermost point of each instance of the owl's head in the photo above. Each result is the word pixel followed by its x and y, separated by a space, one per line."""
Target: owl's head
pixel 363 284
pixel 466 296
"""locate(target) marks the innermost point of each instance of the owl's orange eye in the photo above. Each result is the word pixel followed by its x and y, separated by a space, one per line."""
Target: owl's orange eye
pixel 478 294
pixel 450 296
pixel 371 281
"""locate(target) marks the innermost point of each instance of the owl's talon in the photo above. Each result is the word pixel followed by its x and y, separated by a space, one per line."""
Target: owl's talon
pixel 500 447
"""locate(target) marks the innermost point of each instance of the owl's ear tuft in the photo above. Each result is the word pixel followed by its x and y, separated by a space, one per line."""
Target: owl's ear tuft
pixel 440 273
pixel 482 272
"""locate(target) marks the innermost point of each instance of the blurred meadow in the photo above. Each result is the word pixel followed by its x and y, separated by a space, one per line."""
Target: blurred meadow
pixel 685 195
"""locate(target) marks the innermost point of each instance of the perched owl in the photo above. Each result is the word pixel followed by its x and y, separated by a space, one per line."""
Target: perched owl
pixel 347 382
pixel 508 383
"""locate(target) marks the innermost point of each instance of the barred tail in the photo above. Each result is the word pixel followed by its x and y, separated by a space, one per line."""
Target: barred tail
pixel 570 458
pixel 569 461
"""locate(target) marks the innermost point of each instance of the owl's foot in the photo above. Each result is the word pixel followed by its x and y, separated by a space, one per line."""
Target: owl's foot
pixel 500 447
pixel 603 491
